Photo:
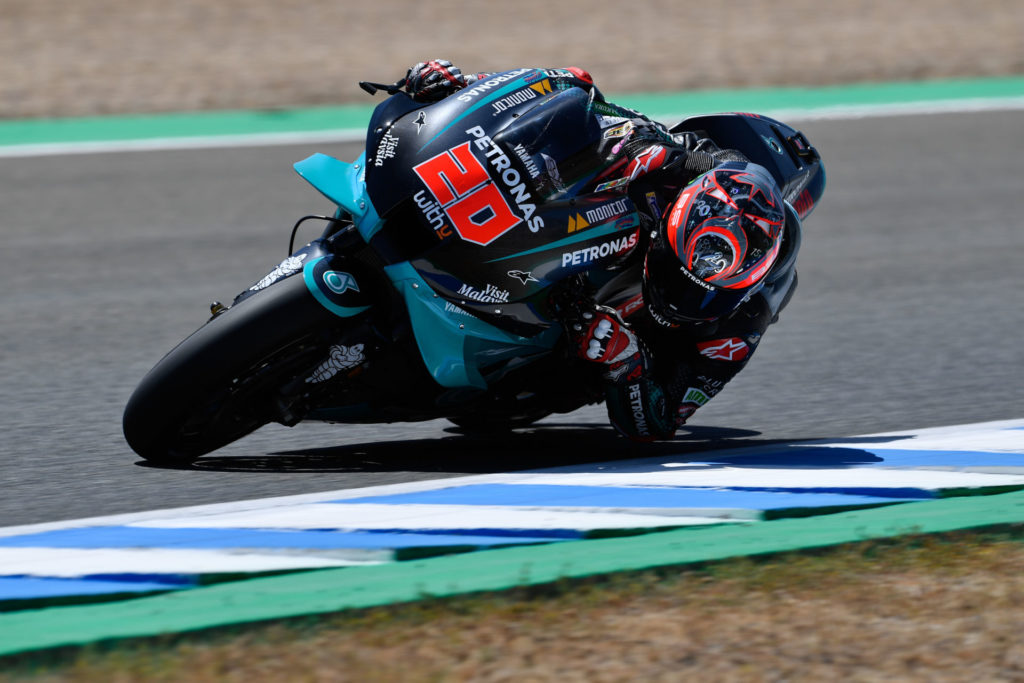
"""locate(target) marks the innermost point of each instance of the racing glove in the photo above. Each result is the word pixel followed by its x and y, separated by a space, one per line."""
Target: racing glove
pixel 602 337
pixel 636 404
pixel 433 80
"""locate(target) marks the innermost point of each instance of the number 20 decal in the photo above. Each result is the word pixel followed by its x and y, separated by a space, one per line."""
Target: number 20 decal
pixel 474 204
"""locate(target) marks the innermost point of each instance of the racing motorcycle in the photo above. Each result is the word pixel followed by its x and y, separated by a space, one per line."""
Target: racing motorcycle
pixel 433 291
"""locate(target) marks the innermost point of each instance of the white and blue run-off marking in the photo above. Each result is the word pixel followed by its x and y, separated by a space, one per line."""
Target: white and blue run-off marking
pixel 172 549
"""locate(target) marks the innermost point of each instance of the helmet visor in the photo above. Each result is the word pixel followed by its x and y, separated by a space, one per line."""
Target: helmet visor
pixel 679 296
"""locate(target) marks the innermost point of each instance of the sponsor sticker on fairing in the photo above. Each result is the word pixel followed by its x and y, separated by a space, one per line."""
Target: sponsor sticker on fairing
pixel 510 177
pixel 386 149
pixel 591 254
pixel 514 100
pixel 483 87
pixel 577 222
pixel 488 295
pixel 473 202
pixel 339 282
pixel 557 73
pixel 607 211
pixel 433 214
pixel 528 162
pixel 449 307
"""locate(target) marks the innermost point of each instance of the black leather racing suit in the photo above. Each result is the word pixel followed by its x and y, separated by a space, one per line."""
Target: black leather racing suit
pixel 683 367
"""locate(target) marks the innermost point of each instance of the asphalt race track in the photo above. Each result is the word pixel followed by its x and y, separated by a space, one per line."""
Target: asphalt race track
pixel 909 315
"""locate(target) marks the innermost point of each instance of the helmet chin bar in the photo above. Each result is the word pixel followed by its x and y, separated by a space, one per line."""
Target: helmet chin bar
pixel 656 308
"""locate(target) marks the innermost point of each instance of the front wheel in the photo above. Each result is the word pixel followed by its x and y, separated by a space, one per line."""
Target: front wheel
pixel 224 380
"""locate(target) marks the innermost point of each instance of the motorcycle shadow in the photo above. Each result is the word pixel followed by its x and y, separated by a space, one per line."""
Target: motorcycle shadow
pixel 540 446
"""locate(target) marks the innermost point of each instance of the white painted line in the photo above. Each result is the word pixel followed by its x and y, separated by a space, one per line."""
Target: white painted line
pixel 422 517
pixel 76 562
pixel 838 112
pixel 966 438
pixel 183 143
pixel 924 108
pixel 716 476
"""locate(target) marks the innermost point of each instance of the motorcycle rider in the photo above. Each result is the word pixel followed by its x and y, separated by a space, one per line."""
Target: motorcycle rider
pixel 712 277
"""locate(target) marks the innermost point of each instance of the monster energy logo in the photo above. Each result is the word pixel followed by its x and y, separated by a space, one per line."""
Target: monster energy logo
pixel 694 395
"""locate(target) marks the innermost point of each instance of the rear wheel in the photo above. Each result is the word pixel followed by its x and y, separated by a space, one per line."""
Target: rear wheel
pixel 225 380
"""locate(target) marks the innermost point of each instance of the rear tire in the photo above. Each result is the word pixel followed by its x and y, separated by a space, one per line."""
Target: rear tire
pixel 220 383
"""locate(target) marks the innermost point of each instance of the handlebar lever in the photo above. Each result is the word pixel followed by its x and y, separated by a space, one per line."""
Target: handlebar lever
pixel 372 88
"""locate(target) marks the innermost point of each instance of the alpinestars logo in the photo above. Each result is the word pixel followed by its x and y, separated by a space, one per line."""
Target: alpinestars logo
pixel 523 276
pixel 732 349
pixel 649 160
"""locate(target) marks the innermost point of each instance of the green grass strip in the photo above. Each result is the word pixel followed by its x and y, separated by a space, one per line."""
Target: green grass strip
pixel 183 125
pixel 845 97
pixel 331 590
pixel 356 116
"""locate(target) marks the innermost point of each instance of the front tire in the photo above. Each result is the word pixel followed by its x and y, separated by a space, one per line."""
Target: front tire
pixel 222 382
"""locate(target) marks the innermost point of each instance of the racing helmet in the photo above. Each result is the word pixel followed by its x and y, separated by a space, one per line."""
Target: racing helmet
pixel 716 245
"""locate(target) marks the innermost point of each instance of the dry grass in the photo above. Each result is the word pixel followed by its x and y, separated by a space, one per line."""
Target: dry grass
pixel 935 609
pixel 60 58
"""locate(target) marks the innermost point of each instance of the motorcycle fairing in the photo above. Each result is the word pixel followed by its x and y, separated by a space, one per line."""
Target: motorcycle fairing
pixel 509 286
pixel 345 185
pixel 552 144
pixel 418 134
pixel 336 289
pixel 455 345
pixel 473 306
